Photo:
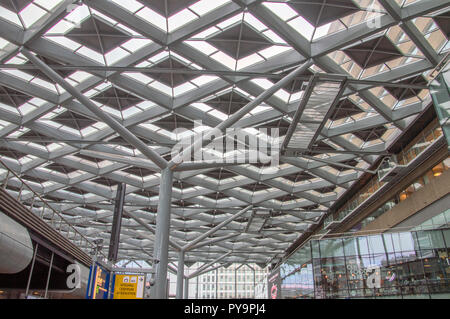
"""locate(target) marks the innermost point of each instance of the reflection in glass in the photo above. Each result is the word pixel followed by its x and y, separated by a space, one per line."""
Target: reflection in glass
pixel 395 265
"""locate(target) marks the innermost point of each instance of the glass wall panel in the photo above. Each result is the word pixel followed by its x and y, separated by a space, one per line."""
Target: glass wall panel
pixel 350 246
pixel 363 247
pixel 429 239
pixel 315 249
pixel 403 241
pixel 388 242
pixel 319 280
pixel 297 275
pixel 396 265
pixel 331 248
pixel 446 233
pixel 376 245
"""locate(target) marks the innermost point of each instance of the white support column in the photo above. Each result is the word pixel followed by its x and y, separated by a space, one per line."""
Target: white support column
pixel 186 288
pixel 180 274
pixel 161 245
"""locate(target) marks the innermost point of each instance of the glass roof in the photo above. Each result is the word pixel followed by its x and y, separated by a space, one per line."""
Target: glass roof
pixel 166 65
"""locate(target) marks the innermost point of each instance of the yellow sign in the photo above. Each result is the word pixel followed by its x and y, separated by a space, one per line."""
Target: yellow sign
pixel 129 287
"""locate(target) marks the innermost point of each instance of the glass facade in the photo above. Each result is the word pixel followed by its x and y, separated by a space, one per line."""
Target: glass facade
pixel 440 93
pixel 439 221
pixel 236 281
pixel 392 265
pixel 404 194
pixel 414 149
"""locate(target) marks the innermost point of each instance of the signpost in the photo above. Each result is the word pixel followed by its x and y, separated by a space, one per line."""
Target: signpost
pixel 129 286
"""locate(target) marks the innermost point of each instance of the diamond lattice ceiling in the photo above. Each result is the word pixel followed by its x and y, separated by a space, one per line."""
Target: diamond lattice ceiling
pixel 159 65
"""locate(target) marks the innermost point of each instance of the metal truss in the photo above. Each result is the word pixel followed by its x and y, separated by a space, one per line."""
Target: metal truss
pixel 74 126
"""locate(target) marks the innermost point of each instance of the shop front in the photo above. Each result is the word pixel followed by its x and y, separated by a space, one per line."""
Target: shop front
pixel 392 265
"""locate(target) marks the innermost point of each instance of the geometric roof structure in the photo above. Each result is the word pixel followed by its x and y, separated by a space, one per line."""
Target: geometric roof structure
pixel 157 66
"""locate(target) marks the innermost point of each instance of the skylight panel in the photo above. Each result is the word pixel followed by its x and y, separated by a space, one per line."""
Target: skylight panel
pixel 95 127
pixel 91 54
pixel 130 5
pixel 248 61
pixel 3 123
pixel 159 57
pixel 139 77
pixel 108 19
pixel 18 133
pixel 63 41
pixel 72 82
pixel 225 59
pixel 112 111
pixel 10 16
pixel 322 31
pixel 257 49
pixel 181 82
pixel 134 45
pixel 201 106
pixel 204 47
pixel 3 43
pixel 55 146
pixel 153 18
pixel 273 51
pixel 259 109
pixel 77 32
pixel 235 19
pixel 218 114
pixel 48 5
pixel 20 59
pixel 19 74
pixel 30 13
pixel 180 19
pixel 274 37
pixel 131 111
pixel 150 126
pixel 27 159
pixel 296 96
pixel 283 95
pixel 205 6
pixel 238 41
pixel 254 22
pixel 161 87
pixel 78 15
pixel 80 76
pixel 265 84
pixel 179 57
pixel 174 21
pixel 206 33
pixel 145 105
pixel 183 88
pixel 45 84
pixel 115 55
pixel 204 79
pixel 303 27
pixel 282 10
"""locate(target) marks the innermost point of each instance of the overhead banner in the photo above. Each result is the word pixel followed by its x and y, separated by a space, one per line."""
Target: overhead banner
pixel 129 286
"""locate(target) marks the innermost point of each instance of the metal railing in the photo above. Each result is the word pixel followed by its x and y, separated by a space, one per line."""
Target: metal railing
pixel 404 158
pixel 49 215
